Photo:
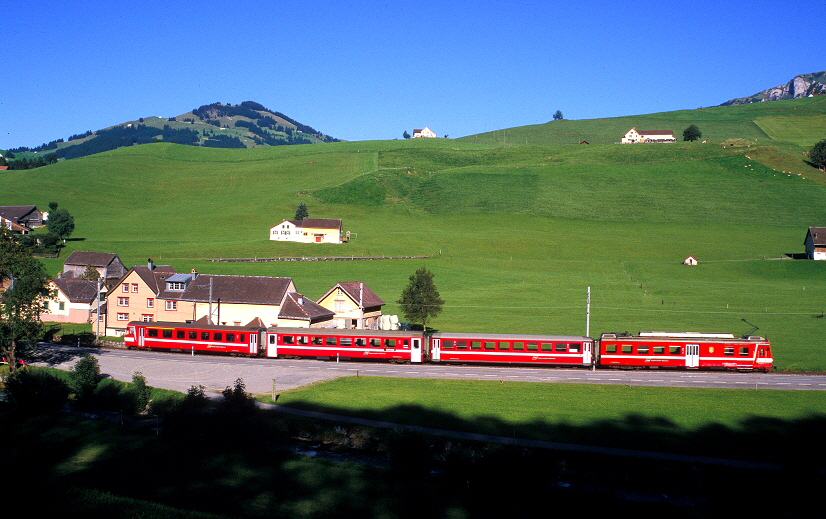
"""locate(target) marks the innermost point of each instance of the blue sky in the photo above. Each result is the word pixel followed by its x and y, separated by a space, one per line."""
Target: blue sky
pixel 371 70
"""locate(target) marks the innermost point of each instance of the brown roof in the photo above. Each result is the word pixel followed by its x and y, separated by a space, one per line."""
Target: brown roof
pixel 357 291
pixel 77 290
pixel 96 259
pixel 256 290
pixel 297 306
pixel 818 236
pixel 154 278
pixel 17 213
pixel 655 132
pixel 320 223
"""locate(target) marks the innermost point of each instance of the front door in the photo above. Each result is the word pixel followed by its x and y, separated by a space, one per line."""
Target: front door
pixel 692 355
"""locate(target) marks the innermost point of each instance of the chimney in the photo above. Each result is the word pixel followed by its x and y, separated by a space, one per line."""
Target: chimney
pixel 150 264
pixel 194 274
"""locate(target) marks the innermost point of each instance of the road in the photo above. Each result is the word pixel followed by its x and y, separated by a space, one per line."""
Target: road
pixel 180 371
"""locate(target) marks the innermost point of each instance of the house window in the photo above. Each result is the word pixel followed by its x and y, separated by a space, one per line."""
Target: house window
pixel 123 301
pixel 147 318
pixel 175 285
pixel 171 305
pixel 134 287
pixel 339 306
pixel 150 302
pixel 61 306
pixel 125 287
pixel 123 317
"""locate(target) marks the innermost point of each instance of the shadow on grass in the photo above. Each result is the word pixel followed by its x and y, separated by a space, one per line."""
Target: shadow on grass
pixel 254 463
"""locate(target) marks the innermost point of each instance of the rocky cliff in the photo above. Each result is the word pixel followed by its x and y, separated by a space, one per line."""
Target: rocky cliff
pixel 802 85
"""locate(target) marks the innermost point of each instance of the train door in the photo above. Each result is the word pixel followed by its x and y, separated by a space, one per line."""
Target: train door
pixel 587 352
pixel 416 349
pixel 141 331
pixel 692 355
pixel 435 349
pixel 254 343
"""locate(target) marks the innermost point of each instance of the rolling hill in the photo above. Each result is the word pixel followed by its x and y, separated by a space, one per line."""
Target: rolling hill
pixel 517 223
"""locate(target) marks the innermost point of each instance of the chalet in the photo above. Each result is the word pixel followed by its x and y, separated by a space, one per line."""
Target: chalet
pixel 634 136
pixel 816 243
pixel 108 265
pixel 308 230
pixel 354 304
pixel 25 215
pixel 424 132
pixel 691 260
pixel 72 301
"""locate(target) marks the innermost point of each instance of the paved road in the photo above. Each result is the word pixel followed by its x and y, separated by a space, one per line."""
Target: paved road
pixel 179 371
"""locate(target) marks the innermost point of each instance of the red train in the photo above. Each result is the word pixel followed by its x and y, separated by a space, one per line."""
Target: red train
pixel 685 350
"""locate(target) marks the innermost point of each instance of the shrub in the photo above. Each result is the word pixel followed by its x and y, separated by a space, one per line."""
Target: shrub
pixel 140 392
pixel 85 376
pixel 36 389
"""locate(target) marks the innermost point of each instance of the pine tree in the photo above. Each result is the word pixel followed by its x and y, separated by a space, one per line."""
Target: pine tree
pixel 301 211
pixel 420 300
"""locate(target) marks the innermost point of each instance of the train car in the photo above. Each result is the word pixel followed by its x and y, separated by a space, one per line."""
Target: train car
pixel 686 350
pixel 554 350
pixel 238 340
pixel 332 343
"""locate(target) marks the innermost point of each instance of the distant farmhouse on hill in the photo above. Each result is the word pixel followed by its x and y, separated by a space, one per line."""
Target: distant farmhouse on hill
pixel 634 136
pixel 308 230
pixel 424 132
pixel 815 243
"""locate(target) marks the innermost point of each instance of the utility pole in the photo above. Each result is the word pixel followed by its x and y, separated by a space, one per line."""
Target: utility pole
pixel 588 315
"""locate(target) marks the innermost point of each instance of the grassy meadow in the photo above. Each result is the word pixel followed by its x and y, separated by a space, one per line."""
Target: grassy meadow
pixel 518 223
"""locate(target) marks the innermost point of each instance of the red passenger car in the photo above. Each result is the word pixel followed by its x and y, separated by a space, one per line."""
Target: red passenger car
pixel 685 350
pixel 240 340
pixel 555 350
pixel 346 344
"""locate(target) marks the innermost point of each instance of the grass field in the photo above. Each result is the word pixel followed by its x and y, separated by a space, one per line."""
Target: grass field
pixel 516 232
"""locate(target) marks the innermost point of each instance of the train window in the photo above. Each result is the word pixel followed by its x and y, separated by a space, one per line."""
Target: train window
pixel 643 349
pixel 389 343
pixel 728 351
pixel 217 336
pixel 561 347
pixel 303 339
pixel 610 348
pixel 533 346
pixel 241 337
pixel 361 341
pixel 318 340
pixel 447 345
pixel 504 345
pixel 331 341
pixel 230 337
pixel 345 341
pixel 193 335
pixel 375 343
pixel 490 345
pixel 519 346
pixel 405 343
pixel 547 346
pixel 180 334
pixel 167 334
pixel 461 345
pixel 152 332
pixel 204 336
pixel 574 347
pixel 283 339
pixel 627 348
pixel 673 350
pixel 475 345
pixel 744 351
pixel 659 350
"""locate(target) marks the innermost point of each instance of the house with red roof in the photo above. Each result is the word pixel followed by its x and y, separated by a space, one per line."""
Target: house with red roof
pixel 355 306
pixel 308 230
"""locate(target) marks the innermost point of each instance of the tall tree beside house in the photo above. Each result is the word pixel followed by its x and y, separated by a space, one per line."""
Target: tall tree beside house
pixel 420 300
pixel 301 211
pixel 22 301
pixel 61 223
pixel 692 133
pixel 406 135
pixel 817 156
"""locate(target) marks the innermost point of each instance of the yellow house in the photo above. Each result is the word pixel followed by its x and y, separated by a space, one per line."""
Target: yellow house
pixel 308 230
pixel 355 306
pixel 72 301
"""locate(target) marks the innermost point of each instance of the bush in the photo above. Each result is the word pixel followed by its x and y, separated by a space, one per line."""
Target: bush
pixel 236 397
pixel 36 389
pixel 85 376
pixel 140 392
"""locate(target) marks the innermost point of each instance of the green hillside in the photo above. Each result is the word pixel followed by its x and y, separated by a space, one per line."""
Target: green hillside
pixel 516 232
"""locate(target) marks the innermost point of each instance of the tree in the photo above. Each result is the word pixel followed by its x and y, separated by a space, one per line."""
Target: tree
pixel 420 301
pixel 22 302
pixel 301 211
pixel 61 223
pixel 90 274
pixel 692 133
pixel 84 378
pixel 558 115
pixel 52 206
pixel 140 391
pixel 406 135
pixel 817 156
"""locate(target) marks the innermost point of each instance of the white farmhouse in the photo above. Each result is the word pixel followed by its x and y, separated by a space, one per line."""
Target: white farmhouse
pixel 634 136
pixel 424 132
pixel 308 230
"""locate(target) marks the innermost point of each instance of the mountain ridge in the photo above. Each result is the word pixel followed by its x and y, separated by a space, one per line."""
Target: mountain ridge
pixel 802 85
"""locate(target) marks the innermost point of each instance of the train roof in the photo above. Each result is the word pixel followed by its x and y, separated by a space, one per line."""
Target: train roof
pixel 699 336
pixel 344 332
pixel 195 326
pixel 511 336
